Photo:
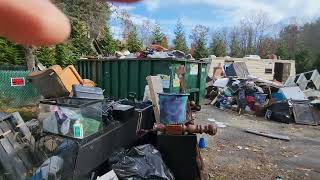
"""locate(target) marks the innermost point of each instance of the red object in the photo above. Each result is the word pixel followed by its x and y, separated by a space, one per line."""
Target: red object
pixel 250 102
pixel 20 81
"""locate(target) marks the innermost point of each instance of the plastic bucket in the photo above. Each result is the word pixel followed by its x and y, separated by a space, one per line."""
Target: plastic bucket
pixel 173 108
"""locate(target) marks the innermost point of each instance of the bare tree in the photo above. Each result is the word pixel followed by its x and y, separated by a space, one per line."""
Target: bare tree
pixel 198 32
pixel 145 31
pixel 30 57
pixel 289 38
pixel 252 30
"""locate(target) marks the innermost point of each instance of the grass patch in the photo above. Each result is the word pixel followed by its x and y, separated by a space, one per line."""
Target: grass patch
pixel 27 112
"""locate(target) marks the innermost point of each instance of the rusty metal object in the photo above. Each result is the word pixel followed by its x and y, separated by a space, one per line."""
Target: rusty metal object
pixel 189 128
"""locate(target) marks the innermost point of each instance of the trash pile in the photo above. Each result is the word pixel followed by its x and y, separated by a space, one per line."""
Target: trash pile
pixel 297 100
pixel 154 51
pixel 79 130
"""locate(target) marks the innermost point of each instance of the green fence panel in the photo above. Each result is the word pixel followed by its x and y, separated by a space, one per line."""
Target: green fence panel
pixel 15 88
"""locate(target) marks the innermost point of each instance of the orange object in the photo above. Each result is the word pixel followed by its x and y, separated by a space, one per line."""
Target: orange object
pixel 57 82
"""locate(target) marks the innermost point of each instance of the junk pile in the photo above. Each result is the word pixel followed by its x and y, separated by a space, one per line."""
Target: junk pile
pixel 297 100
pixel 81 130
pixel 154 51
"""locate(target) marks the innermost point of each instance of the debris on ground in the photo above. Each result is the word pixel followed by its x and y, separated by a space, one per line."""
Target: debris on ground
pixel 268 134
pixel 297 100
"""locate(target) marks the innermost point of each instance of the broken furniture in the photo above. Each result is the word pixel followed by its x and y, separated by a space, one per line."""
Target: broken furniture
pixel 56 82
pixel 17 155
pixel 237 69
pixel 303 113
pixel 306 80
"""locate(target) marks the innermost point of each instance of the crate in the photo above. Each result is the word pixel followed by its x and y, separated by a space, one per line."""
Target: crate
pixel 58 116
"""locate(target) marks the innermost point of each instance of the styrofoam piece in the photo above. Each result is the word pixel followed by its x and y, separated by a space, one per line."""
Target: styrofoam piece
pixel 315 78
pixel 211 119
pixel 290 82
pixel 111 175
pixel 312 93
pixel 221 82
pixel 302 82
pixel 293 93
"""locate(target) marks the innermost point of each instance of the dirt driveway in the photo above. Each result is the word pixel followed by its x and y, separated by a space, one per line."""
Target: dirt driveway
pixel 235 154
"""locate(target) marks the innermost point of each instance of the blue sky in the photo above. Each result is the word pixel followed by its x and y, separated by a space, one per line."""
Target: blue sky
pixel 216 13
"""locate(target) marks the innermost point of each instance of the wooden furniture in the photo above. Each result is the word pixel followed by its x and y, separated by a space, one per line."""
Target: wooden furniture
pixel 57 82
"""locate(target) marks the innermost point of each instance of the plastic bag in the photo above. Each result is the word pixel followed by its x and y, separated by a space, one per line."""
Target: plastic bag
pixel 50 169
pixel 141 162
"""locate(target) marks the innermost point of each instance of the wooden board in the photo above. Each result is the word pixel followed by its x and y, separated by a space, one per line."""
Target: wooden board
pixel 267 134
pixel 155 87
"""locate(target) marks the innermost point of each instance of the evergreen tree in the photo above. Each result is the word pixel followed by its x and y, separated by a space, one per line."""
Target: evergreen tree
pixel 64 55
pixel 179 43
pixel 133 42
pixel 234 46
pixel 10 53
pixel 218 46
pixel 164 42
pixel 199 41
pixel 109 45
pixel 316 62
pixel 157 35
pixel 303 61
pixel 282 51
pixel 46 55
pixel 201 50
pixel 80 39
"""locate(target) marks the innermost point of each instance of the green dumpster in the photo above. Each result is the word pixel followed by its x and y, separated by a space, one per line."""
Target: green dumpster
pixel 119 77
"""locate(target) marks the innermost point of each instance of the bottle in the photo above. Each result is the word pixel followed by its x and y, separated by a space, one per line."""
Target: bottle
pixel 77 130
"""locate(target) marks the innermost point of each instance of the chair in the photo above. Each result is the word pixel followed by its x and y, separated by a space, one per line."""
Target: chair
pixel 57 82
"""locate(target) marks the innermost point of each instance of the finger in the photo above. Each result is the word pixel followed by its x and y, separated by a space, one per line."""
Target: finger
pixel 33 22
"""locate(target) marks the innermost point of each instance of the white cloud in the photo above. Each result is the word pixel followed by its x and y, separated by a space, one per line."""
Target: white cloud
pixel 118 7
pixel 234 10
pixel 152 4
pixel 139 20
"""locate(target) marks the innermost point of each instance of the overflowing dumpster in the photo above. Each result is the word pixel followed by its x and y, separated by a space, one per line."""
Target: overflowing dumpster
pixel 120 77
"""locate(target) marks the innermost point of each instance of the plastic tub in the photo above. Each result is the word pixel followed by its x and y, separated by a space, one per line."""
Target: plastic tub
pixel 173 108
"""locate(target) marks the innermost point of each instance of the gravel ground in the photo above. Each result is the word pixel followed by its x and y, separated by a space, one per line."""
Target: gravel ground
pixel 235 154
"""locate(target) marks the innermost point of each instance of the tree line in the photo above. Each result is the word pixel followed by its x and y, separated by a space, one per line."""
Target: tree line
pixel 91 36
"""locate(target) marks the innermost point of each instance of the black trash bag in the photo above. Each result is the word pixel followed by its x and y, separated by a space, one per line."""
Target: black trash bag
pixel 141 162
pixel 281 112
